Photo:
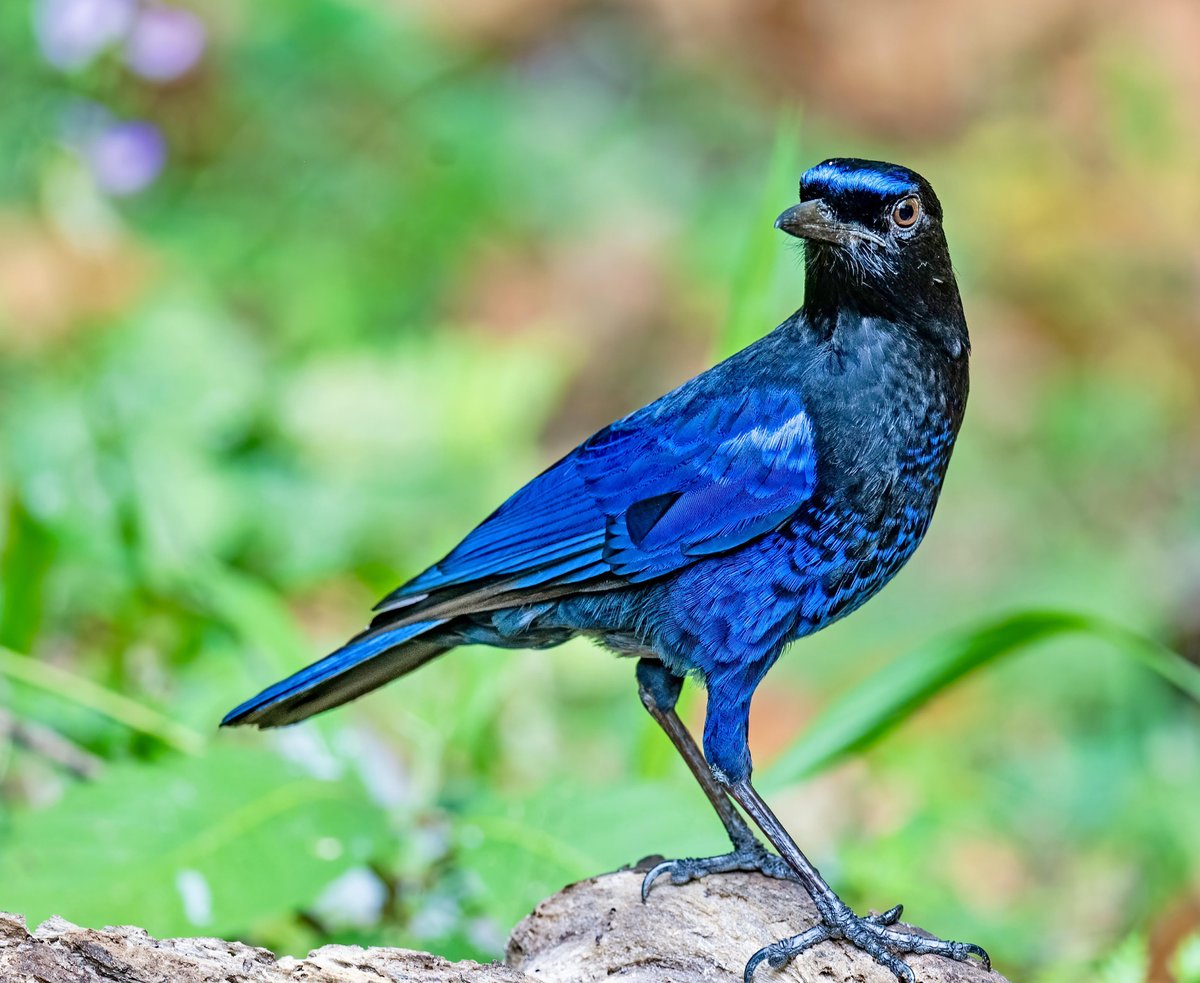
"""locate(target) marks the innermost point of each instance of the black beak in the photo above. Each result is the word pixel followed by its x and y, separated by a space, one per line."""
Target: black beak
pixel 812 220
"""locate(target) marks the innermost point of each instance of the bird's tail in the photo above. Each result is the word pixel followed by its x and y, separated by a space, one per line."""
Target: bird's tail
pixel 365 662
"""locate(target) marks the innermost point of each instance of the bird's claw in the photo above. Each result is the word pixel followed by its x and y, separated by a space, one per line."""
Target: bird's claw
pixel 779 954
pixel 875 936
pixel 686 869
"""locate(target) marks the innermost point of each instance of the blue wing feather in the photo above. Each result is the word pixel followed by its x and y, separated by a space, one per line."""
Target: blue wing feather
pixel 683 478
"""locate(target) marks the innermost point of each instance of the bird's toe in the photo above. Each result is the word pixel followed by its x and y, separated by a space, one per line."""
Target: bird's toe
pixel 876 936
pixel 687 869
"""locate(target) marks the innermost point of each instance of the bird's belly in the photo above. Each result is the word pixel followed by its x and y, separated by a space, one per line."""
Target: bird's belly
pixel 739 608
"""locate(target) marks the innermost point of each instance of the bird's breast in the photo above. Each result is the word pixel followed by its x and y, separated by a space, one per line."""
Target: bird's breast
pixel 883 442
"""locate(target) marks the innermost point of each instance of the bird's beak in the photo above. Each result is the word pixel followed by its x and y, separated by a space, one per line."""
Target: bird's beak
pixel 812 220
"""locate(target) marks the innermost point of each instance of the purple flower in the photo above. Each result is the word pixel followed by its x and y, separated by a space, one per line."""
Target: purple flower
pixel 165 43
pixel 126 157
pixel 72 32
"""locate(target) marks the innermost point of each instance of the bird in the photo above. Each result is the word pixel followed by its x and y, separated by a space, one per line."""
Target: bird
pixel 751 506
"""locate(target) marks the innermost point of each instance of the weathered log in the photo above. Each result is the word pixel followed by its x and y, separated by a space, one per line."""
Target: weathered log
pixel 590 931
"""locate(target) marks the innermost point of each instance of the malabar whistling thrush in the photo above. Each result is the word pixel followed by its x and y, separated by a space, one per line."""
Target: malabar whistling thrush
pixel 753 505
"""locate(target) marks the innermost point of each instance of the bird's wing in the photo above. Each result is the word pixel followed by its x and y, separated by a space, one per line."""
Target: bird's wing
pixel 681 479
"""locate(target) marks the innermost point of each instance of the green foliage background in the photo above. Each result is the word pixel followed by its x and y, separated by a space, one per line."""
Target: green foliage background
pixel 399 259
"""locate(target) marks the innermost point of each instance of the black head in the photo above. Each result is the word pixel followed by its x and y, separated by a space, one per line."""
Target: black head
pixel 873 242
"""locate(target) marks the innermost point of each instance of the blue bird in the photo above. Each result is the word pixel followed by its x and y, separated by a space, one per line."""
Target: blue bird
pixel 754 505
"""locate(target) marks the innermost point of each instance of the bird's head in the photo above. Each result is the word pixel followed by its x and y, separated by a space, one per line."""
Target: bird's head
pixel 873 240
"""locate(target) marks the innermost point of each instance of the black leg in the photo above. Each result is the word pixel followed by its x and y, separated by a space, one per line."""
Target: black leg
pixel 659 690
pixel 874 934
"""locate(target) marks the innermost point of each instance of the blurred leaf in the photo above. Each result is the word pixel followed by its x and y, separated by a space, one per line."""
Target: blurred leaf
pixel 252 610
pixel 215 843
pixel 1128 963
pixel 67 685
pixel 895 693
pixel 525 850
pixel 1185 963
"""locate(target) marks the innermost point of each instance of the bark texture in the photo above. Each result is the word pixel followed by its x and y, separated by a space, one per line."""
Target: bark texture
pixel 590 931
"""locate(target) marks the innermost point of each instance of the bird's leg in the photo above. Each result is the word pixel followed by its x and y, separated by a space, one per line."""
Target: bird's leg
pixel 659 688
pixel 874 934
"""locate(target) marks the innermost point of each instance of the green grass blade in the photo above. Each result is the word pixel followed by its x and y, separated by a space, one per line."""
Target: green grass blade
pixel 24 566
pixel 748 317
pixel 69 686
pixel 895 693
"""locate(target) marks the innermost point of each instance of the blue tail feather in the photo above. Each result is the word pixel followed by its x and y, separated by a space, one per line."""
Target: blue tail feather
pixel 365 662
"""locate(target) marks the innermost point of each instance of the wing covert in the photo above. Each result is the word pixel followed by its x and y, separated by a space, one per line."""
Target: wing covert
pixel 678 480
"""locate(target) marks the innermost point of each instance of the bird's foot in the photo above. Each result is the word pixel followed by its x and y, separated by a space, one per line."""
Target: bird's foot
pixel 875 935
pixel 753 856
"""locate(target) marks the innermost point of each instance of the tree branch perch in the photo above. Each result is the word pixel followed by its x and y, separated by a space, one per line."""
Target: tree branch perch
pixel 590 931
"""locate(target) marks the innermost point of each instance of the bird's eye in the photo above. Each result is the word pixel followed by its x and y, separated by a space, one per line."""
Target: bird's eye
pixel 907 211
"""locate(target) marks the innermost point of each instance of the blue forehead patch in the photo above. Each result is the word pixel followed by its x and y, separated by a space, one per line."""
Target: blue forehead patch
pixel 847 174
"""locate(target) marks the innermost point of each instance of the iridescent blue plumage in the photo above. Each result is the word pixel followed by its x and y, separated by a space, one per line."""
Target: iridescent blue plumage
pixel 696 473
pixel 752 506
pixel 849 176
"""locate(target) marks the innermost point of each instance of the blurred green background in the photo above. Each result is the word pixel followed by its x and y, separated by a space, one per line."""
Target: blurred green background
pixel 292 294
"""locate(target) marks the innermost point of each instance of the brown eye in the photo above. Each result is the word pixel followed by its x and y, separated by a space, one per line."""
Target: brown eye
pixel 907 211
